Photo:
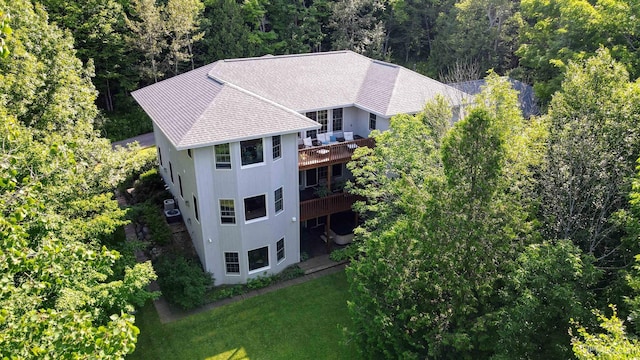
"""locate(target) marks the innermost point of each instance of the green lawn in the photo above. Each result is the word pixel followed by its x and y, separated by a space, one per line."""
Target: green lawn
pixel 299 322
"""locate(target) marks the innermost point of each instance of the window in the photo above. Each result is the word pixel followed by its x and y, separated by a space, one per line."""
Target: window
pixel 195 208
pixel 321 117
pixel 280 249
pixel 278 200
pixel 337 119
pixel 171 171
pixel 322 173
pixel 160 155
pixel 223 156
pixel 189 153
pixel 227 212
pixel 180 185
pixel 275 142
pixel 372 121
pixel 258 258
pixel 232 262
pixel 312 134
pixel 251 151
pixel 255 207
pixel 337 170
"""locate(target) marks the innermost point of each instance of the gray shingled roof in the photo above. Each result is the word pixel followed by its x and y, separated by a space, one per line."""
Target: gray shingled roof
pixel 307 82
pixel 232 100
pixel 193 110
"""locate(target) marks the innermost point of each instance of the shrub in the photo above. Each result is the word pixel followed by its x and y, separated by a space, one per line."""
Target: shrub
pixel 150 215
pixel 261 281
pixel 291 272
pixel 343 254
pixel 150 187
pixel 182 281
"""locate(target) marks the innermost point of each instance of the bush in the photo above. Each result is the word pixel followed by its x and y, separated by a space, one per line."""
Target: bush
pixel 150 187
pixel 339 255
pixel 151 216
pixel 182 281
pixel 291 272
pixel 261 282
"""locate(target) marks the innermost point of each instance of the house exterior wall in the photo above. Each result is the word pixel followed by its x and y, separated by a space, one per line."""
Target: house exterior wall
pixel 184 166
pixel 237 184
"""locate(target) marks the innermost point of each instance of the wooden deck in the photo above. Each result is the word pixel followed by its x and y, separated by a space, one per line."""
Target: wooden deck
pixel 327 205
pixel 316 156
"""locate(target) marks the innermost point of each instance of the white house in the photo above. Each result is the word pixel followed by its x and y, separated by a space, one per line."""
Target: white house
pixel 239 139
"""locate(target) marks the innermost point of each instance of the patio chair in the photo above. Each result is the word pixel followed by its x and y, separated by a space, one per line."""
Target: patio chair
pixel 307 142
pixel 348 135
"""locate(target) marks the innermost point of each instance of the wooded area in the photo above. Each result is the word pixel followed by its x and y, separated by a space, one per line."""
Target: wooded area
pixel 129 44
pixel 496 237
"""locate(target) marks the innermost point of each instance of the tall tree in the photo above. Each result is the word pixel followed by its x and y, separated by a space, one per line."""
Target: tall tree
pixel 226 34
pixel 590 160
pixel 483 32
pixel 99 32
pixel 357 26
pixel 148 28
pixel 182 24
pixel 557 32
pixel 59 294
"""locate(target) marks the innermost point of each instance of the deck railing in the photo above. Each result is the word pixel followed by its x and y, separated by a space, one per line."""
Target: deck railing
pixel 325 155
pixel 327 205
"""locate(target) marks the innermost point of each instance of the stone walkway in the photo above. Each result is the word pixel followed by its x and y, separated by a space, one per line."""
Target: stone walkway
pixel 313 268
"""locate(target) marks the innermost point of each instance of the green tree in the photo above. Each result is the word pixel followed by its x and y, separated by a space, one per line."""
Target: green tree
pixel 59 295
pixel 558 32
pixel 613 344
pixel 547 288
pixel 483 32
pixel 226 34
pixel 431 212
pixel 590 159
pixel 148 35
pixel 182 24
pixel 99 31
pixel 356 26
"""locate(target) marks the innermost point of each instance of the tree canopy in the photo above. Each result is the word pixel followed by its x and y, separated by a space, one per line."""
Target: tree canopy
pixel 59 293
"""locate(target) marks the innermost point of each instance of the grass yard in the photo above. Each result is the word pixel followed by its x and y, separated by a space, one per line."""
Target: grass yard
pixel 299 322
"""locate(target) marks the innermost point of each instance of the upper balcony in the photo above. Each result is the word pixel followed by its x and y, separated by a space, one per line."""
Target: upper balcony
pixel 325 155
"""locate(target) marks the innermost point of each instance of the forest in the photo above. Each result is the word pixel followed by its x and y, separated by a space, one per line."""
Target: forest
pixel 129 44
pixel 495 237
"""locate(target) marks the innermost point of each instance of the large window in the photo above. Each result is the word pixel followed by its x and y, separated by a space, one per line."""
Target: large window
pixel 227 211
pixel 255 207
pixel 277 195
pixel 171 172
pixel 280 249
pixel 223 156
pixel 258 258
pixel 321 117
pixel 372 121
pixel 180 185
pixel 337 119
pixel 275 142
pixel 251 151
pixel 232 262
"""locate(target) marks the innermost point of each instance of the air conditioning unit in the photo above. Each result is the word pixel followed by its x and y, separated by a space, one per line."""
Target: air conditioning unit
pixel 173 215
pixel 169 204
